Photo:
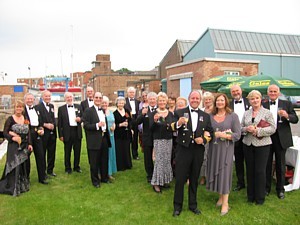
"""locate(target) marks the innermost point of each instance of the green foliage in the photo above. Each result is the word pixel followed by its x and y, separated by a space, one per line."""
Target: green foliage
pixel 71 199
pixel 124 70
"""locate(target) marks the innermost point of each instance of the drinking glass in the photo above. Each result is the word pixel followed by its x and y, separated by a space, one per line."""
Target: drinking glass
pixel 186 117
pixel 216 139
pixel 279 109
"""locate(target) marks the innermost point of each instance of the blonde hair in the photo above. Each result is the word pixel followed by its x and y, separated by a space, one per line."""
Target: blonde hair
pixel 208 94
pixel 162 95
pixel 253 93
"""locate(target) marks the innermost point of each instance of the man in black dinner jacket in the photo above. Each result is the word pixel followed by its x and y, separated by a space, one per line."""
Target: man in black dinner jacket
pixel 97 140
pixel 239 105
pixel 70 131
pixel 143 118
pixel 281 139
pixel 132 105
pixel 190 151
pixel 89 101
pixel 46 110
pixel 35 122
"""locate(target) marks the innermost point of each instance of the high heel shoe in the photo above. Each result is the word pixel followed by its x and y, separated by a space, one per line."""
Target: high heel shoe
pixel 158 191
pixel 218 204
pixel 225 212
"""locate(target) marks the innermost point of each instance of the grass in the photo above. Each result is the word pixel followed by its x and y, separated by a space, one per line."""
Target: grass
pixel 71 199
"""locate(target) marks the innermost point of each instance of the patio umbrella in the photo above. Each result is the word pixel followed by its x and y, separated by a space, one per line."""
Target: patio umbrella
pixel 261 83
pixel 214 83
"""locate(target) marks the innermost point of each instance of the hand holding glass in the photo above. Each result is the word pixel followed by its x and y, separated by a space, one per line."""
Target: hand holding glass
pixel 279 114
pixel 186 118
pixel 216 139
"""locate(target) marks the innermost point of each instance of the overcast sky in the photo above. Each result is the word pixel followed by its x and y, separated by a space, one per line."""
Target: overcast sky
pixel 43 34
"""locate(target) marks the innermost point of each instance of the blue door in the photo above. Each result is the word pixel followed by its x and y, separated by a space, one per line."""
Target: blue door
pixel 185 87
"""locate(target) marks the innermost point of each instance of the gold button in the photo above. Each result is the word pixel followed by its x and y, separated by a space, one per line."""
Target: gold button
pixel 183 141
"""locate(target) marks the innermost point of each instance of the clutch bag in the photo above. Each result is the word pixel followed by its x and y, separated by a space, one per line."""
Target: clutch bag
pixel 262 123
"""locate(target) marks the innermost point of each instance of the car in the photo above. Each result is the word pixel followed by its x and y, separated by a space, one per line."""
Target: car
pixel 295 101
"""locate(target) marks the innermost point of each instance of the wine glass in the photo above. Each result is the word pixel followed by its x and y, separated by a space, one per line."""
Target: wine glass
pixel 216 139
pixel 20 142
pixel 279 109
pixel 127 124
pixel 186 118
pixel 39 131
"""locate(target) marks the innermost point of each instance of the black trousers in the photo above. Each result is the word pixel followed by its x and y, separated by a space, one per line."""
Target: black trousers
pixel 39 154
pixel 135 137
pixel 256 163
pixel 239 162
pixel 49 146
pixel 188 164
pixel 98 160
pixel 75 143
pixel 148 162
pixel 279 164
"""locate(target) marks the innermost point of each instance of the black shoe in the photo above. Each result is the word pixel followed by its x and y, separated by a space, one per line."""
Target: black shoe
pixel 267 193
pixel 78 170
pixel 96 185
pixel 239 187
pixel 136 158
pixel 176 213
pixel 106 181
pixel 68 171
pixel 52 174
pixel 280 195
pixel 196 211
pixel 43 182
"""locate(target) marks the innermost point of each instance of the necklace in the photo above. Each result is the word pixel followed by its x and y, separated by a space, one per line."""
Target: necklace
pixel 218 115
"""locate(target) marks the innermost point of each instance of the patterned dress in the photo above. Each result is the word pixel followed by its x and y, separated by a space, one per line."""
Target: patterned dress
pixel 15 180
pixel 162 142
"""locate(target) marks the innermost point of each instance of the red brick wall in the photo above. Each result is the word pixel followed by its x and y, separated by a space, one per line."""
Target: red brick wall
pixel 203 70
pixel 171 58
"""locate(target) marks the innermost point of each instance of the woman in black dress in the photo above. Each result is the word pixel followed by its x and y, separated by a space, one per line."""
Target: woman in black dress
pixel 15 180
pixel 122 135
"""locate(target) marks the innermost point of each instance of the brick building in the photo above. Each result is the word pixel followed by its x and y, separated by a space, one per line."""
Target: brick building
pixel 186 76
pixel 114 84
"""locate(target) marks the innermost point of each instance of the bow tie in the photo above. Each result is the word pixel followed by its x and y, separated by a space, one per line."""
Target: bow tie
pixel 132 99
pixel 47 104
pixel 30 108
pixel 237 102
pixel 152 109
pixel 99 109
pixel 91 100
pixel 194 110
pixel 70 106
pixel 272 103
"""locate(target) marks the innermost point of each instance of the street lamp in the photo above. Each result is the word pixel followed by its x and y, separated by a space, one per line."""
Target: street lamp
pixel 29 77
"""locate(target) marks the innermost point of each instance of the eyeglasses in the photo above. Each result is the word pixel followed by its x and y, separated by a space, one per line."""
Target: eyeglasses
pixel 96 97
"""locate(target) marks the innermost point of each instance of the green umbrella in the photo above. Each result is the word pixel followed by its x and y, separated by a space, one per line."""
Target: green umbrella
pixel 214 83
pixel 262 82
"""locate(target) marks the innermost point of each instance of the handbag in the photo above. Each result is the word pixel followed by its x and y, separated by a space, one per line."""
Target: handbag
pixel 262 124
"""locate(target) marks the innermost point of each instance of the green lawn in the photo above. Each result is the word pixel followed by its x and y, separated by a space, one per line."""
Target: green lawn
pixel 71 199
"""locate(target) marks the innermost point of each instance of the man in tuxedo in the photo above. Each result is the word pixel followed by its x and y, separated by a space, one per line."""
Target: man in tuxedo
pixel 143 118
pixel 88 102
pixel 46 110
pixel 190 150
pixel 70 132
pixel 97 140
pixel 284 113
pixel 239 105
pixel 36 131
pixel 132 105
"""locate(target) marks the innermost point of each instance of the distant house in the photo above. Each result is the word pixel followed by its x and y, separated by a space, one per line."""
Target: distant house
pixel 219 52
